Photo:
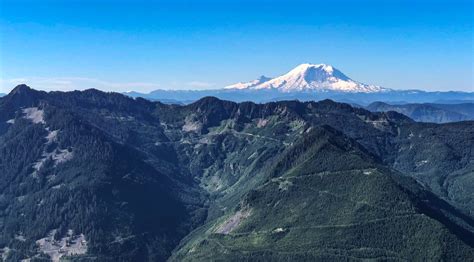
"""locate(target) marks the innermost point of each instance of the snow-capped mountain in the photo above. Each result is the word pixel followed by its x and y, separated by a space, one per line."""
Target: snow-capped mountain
pixel 320 77
pixel 243 85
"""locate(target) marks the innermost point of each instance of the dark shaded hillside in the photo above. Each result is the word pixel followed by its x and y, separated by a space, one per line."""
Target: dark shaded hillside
pixel 116 178
pixel 429 112
pixel 64 173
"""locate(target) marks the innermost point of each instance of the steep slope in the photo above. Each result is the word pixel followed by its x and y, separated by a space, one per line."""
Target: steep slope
pixel 435 113
pixel 440 157
pixel 65 180
pixel 327 199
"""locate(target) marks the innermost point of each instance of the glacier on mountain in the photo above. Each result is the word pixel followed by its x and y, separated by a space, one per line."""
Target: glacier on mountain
pixel 319 77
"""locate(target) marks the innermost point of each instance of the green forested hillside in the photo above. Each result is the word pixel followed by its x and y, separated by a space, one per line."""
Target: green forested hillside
pixel 311 209
pixel 126 208
pixel 101 176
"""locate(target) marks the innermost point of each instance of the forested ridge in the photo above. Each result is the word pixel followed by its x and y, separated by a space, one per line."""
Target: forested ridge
pixel 94 176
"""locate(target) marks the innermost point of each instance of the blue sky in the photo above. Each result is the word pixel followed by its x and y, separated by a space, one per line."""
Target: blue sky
pixel 147 45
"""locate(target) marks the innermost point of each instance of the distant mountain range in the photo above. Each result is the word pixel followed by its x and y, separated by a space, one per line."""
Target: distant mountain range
pixel 308 82
pixel 94 176
pixel 316 82
pixel 430 112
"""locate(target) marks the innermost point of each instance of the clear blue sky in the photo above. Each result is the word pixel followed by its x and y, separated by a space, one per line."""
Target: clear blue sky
pixel 145 45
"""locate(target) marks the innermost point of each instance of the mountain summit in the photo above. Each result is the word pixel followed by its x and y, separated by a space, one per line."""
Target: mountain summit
pixel 320 77
pixel 243 85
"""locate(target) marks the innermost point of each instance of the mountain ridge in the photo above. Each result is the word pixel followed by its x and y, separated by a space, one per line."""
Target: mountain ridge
pixel 130 161
pixel 429 112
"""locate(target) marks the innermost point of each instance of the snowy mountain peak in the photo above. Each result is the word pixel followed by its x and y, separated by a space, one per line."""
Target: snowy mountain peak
pixel 253 83
pixel 305 67
pixel 320 77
